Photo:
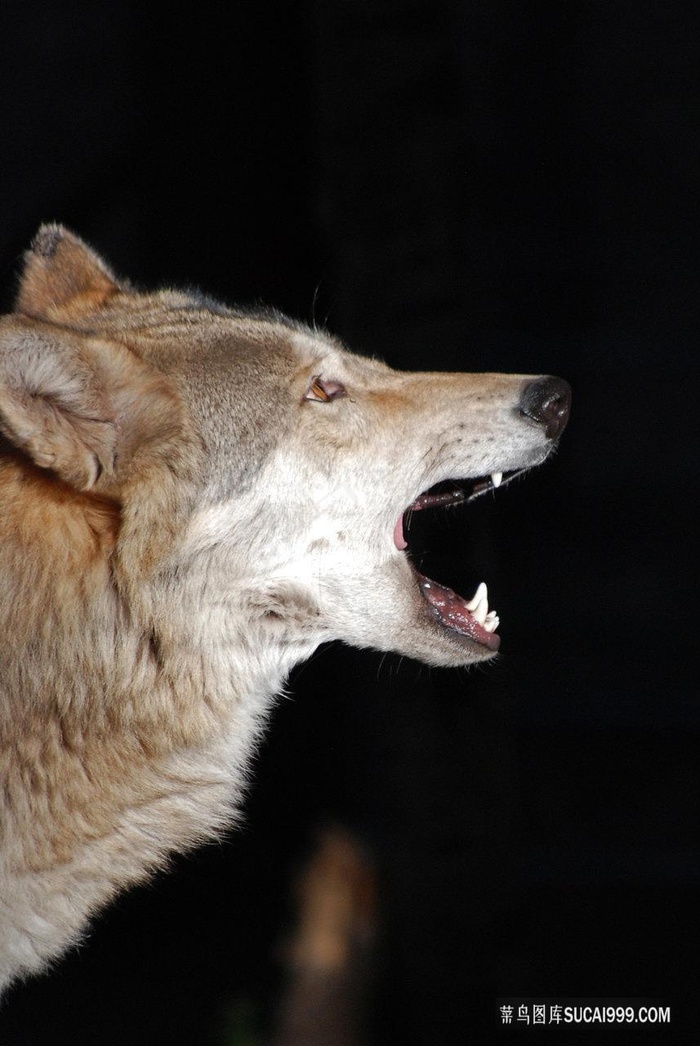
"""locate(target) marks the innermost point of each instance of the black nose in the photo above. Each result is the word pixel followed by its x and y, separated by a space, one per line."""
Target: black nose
pixel 547 401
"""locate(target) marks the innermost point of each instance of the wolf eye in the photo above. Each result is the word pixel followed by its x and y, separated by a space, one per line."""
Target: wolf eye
pixel 323 391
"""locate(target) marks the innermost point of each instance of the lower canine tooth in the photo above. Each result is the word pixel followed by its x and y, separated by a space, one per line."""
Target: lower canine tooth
pixel 480 596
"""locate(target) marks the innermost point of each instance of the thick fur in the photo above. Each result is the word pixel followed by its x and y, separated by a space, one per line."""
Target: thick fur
pixel 191 500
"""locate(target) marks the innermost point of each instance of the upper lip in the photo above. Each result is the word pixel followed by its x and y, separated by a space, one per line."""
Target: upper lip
pixel 454 492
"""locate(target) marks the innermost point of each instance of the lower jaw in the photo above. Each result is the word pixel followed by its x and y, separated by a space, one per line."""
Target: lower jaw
pixel 450 610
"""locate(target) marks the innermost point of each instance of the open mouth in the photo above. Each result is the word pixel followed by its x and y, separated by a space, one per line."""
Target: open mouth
pixel 469 617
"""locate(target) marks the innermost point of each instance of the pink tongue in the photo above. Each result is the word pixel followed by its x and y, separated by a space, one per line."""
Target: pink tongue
pixel 399 539
pixel 453 613
pixel 450 497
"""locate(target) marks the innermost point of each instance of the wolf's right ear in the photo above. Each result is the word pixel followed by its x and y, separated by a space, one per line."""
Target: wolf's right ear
pixel 63 278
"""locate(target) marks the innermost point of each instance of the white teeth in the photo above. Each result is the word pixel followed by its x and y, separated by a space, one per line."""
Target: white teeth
pixel 480 596
pixel 478 607
pixel 496 478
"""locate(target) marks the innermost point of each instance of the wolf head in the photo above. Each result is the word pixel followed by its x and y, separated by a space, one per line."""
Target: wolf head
pixel 258 471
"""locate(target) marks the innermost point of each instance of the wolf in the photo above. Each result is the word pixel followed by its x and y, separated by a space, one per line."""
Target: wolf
pixel 192 499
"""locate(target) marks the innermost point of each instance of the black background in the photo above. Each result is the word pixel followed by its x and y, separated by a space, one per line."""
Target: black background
pixel 449 185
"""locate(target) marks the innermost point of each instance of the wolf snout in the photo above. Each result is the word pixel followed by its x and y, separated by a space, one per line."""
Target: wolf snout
pixel 548 402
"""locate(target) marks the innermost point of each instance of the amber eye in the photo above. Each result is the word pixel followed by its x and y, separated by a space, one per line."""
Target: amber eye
pixel 323 391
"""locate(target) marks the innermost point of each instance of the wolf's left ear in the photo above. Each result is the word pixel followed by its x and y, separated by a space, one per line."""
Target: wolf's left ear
pixel 63 278
pixel 52 405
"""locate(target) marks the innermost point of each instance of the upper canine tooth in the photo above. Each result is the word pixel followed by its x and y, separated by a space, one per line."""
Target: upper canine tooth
pixel 496 478
pixel 480 596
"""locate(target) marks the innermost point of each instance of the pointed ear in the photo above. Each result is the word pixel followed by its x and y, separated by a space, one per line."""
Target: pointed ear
pixel 62 277
pixel 51 405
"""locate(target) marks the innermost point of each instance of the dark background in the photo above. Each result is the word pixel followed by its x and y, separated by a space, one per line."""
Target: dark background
pixel 449 185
